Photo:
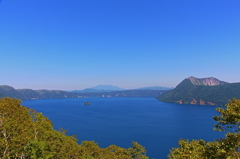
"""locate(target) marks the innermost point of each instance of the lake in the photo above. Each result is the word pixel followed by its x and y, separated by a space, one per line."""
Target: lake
pixel 155 125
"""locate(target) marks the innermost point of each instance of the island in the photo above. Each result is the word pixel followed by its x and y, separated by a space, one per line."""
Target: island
pixel 87 103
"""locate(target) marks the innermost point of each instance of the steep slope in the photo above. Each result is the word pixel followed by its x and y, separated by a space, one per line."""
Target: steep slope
pixel 205 91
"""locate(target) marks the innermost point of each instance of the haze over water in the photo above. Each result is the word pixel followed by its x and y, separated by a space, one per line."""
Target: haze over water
pixel 155 125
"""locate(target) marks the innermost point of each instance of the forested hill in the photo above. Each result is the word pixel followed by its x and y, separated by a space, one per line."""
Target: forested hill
pixel 8 91
pixel 205 91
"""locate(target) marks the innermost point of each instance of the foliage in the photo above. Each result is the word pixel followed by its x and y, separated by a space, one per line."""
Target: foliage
pixel 200 149
pixel 224 148
pixel 24 133
pixel 229 119
pixel 137 151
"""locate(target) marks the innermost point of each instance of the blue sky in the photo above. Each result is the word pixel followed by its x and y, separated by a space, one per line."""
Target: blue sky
pixel 77 44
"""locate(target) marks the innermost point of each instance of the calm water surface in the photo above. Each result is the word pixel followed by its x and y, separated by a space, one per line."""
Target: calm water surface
pixel 156 125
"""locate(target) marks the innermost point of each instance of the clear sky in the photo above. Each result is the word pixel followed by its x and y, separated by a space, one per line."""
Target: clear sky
pixel 77 44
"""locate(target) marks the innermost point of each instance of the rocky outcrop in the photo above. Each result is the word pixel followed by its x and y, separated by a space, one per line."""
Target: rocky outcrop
pixel 180 102
pixel 209 81
pixel 197 102
pixel 194 101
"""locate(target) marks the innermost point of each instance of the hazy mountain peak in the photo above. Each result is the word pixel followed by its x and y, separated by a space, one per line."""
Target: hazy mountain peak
pixel 106 87
pixel 209 81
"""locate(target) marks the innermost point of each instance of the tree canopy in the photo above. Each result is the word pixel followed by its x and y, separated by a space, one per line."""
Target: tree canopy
pixel 224 148
pixel 24 133
pixel 229 118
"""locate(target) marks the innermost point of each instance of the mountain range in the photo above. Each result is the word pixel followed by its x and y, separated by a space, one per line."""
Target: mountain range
pixel 107 87
pixel 8 91
pixel 100 88
pixel 111 88
pixel 192 90
pixel 204 91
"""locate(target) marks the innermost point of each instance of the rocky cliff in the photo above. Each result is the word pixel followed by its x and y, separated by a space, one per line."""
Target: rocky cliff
pixel 210 81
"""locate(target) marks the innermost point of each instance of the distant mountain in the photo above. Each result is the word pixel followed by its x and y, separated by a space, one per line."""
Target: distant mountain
pixel 154 88
pixel 100 88
pixel 110 88
pixel 204 91
pixel 107 87
pixel 87 90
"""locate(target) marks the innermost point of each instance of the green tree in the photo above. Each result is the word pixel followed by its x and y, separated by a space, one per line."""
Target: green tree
pixel 137 151
pixel 224 148
pixel 15 128
pixel 24 133
pixel 229 118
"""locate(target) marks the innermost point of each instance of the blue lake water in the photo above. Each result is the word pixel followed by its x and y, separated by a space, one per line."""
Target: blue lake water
pixel 155 125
